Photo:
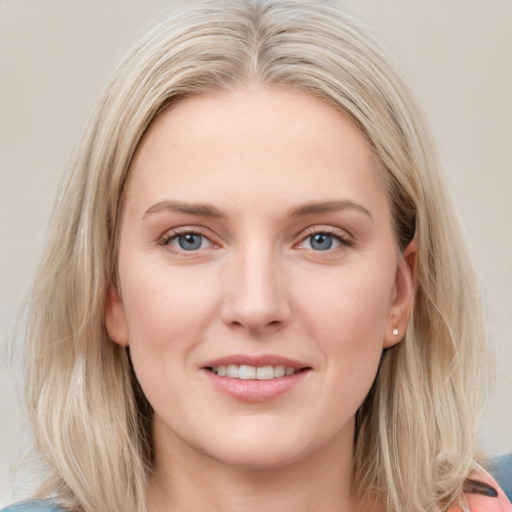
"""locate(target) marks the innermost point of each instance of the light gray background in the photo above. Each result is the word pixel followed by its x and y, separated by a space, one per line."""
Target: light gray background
pixel 55 55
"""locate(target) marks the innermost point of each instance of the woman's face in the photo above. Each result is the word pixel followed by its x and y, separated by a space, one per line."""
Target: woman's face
pixel 259 279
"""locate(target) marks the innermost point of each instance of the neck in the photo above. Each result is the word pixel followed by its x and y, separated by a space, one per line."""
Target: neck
pixel 185 480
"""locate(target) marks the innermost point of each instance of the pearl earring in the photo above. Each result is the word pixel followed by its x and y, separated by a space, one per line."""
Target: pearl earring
pixel 396 332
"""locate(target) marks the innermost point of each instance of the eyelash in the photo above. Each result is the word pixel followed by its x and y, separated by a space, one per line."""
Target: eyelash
pixel 342 239
pixel 176 233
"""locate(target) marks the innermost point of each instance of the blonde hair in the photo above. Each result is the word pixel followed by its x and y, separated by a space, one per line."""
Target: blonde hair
pixel 416 430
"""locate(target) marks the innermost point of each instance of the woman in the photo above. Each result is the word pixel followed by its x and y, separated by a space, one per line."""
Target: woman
pixel 255 294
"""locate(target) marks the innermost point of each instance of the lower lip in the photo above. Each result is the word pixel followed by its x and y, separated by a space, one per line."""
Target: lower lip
pixel 256 390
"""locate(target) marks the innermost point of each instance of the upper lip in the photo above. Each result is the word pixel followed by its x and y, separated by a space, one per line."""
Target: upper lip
pixel 255 360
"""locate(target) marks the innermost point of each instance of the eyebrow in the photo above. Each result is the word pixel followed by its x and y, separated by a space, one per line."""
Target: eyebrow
pixel 199 209
pixel 302 210
pixel 317 208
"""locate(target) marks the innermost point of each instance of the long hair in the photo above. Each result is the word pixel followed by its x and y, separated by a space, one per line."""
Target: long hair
pixel 416 430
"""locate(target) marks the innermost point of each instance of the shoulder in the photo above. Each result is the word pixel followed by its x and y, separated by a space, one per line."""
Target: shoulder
pixel 483 494
pixel 34 506
pixel 501 470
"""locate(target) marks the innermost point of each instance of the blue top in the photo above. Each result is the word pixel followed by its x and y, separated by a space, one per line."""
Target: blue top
pixel 34 506
pixel 501 470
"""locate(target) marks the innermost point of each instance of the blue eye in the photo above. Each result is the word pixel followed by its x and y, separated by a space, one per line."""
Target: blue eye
pixel 325 241
pixel 188 241
pixel 321 241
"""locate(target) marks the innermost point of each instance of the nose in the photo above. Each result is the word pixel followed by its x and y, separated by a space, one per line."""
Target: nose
pixel 257 298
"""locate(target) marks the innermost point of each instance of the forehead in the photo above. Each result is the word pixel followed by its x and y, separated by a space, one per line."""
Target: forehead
pixel 270 143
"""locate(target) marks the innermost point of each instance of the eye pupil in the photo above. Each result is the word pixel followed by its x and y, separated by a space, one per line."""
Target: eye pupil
pixel 321 242
pixel 190 241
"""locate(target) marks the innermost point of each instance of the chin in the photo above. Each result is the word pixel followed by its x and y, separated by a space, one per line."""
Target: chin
pixel 255 458
pixel 255 450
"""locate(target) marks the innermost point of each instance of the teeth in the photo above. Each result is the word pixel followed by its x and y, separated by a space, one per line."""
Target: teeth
pixel 246 372
pixel 232 371
pixel 279 371
pixel 265 372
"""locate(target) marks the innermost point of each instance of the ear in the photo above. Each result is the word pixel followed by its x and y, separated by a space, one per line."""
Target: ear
pixel 115 318
pixel 401 307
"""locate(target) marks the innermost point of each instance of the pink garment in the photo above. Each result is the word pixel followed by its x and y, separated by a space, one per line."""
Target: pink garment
pixel 481 503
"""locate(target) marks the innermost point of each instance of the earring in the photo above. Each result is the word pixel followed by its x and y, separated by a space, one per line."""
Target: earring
pixel 396 332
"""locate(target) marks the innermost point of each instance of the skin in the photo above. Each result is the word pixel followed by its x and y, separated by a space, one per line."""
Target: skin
pixel 256 285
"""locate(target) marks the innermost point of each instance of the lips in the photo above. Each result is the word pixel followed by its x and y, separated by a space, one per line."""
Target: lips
pixel 255 378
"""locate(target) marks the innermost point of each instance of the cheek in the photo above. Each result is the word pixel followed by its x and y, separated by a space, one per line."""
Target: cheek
pixel 165 324
pixel 351 304
pixel 347 318
pixel 160 299
pixel 167 312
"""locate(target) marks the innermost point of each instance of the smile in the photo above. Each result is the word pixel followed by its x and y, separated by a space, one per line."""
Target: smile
pixel 246 372
pixel 255 378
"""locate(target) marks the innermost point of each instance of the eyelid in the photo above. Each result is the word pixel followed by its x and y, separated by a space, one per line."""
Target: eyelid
pixel 173 233
pixel 343 236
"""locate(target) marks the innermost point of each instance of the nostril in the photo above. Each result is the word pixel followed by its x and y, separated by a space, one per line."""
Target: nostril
pixel 256 325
